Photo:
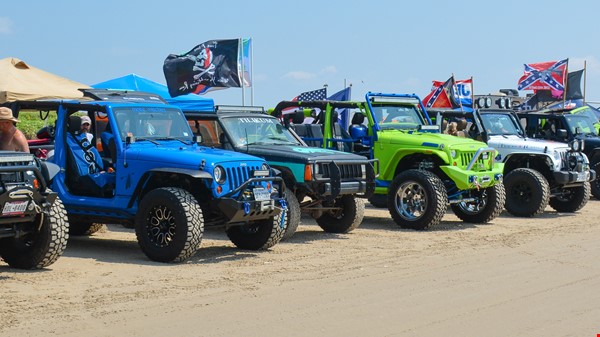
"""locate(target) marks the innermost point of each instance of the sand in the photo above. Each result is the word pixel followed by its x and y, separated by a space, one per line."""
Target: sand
pixel 511 277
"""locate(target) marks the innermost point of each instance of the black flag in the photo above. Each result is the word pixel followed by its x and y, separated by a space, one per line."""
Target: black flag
pixel 212 63
pixel 574 85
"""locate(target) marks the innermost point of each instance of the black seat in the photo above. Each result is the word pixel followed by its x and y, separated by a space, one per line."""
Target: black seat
pixel 341 139
pixel 300 129
pixel 86 172
pixel 315 135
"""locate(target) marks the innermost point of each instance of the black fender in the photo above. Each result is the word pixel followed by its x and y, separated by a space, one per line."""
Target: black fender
pixel 49 170
pixel 196 174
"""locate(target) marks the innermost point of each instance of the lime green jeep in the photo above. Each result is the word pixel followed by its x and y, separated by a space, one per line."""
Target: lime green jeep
pixel 421 170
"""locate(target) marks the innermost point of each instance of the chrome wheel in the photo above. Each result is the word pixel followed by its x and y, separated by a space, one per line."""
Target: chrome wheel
pixel 411 200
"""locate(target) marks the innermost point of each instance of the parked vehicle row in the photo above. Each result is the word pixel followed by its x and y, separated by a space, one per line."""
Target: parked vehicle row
pixel 169 173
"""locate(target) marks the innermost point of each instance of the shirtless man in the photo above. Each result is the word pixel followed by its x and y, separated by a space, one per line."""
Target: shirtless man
pixel 11 138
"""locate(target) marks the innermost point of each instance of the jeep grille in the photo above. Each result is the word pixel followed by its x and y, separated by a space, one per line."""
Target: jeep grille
pixel 14 159
pixel 347 171
pixel 239 175
pixel 466 157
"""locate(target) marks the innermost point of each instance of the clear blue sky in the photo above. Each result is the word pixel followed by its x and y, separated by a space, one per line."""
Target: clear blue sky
pixel 383 46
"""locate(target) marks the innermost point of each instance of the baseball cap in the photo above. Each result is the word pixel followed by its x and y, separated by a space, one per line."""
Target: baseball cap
pixel 86 119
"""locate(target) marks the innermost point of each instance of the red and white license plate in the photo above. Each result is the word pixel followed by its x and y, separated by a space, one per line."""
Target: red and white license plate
pixel 12 208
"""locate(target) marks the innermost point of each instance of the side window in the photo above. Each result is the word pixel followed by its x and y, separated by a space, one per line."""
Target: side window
pixel 209 131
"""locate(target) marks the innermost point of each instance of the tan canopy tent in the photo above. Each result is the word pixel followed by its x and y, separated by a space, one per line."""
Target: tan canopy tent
pixel 20 81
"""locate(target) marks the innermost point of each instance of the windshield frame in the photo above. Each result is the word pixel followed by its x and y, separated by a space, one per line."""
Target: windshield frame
pixel 257 130
pixel 505 128
pixel 412 114
pixel 152 123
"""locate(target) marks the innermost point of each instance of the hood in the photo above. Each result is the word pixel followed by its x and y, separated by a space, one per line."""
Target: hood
pixel 298 154
pixel 410 138
pixel 528 144
pixel 187 155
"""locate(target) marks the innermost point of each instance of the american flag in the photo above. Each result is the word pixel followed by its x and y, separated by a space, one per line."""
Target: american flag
pixel 315 95
pixel 544 76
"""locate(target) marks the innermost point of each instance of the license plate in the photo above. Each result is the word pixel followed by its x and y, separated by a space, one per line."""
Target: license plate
pixel 261 194
pixel 17 207
pixel 583 176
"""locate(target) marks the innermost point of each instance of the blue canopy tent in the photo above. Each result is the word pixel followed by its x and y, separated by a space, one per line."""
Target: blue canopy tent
pixel 136 82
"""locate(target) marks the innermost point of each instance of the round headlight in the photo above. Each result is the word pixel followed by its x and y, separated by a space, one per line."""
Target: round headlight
pixel 453 153
pixel 265 167
pixel 481 102
pixel 488 102
pixel 219 174
pixel 501 103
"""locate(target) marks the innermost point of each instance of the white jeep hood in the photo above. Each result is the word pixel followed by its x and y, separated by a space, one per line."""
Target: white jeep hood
pixel 510 144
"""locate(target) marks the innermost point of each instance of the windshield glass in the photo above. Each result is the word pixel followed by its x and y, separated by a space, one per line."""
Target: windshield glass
pixel 587 112
pixel 397 117
pixel 500 124
pixel 580 124
pixel 257 130
pixel 152 123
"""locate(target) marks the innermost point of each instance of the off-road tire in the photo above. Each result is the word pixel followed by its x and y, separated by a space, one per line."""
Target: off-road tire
pixel 527 192
pixel 293 215
pixel 491 204
pixel 347 218
pixel 573 201
pixel 169 224
pixel 595 185
pixel 413 215
pixel 257 235
pixel 83 228
pixel 41 249
pixel 379 200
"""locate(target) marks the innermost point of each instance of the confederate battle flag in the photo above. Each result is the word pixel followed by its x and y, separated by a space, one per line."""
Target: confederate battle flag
pixel 442 95
pixel 544 76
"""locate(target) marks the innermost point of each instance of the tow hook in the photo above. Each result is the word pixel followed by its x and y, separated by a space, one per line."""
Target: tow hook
pixel 283 211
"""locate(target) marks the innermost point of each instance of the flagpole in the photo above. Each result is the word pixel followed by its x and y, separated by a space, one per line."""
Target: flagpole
pixel 241 51
pixel 566 82
pixel 454 88
pixel 251 79
pixel 584 78
pixel 472 94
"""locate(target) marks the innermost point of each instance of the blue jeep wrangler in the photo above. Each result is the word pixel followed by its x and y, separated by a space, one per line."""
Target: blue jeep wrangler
pixel 143 168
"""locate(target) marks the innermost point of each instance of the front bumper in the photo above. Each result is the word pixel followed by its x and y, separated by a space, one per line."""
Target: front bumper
pixel 564 178
pixel 335 183
pixel 19 208
pixel 243 209
pixel 467 180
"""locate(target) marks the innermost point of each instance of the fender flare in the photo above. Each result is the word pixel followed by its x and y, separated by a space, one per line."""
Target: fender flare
pixel 196 174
